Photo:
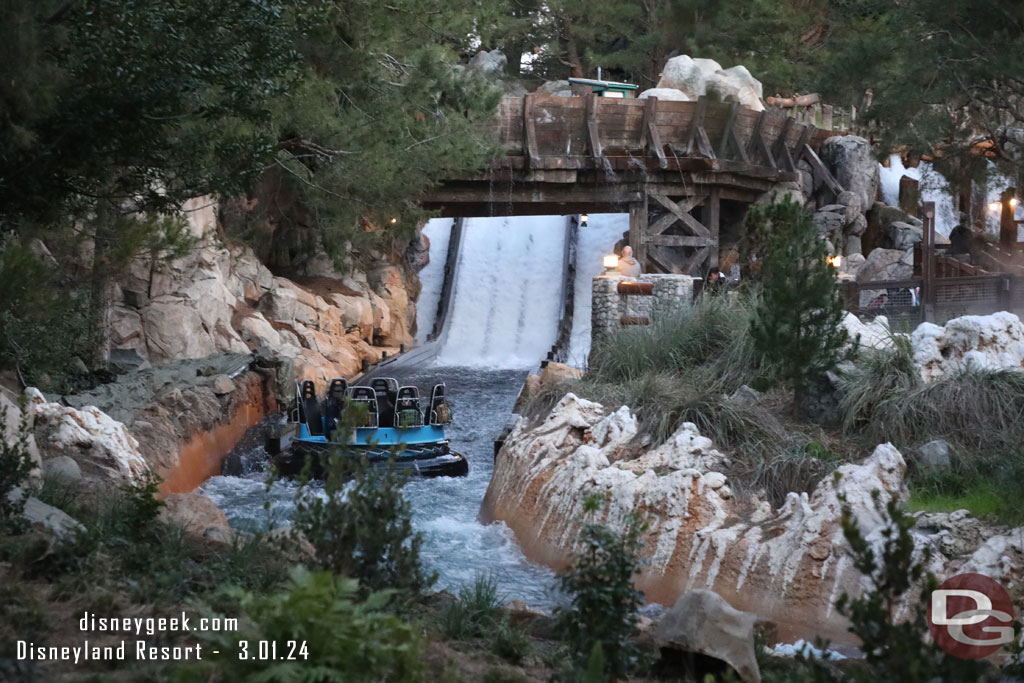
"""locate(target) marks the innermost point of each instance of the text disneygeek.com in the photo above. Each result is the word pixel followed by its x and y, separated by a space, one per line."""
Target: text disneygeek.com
pixel 141 649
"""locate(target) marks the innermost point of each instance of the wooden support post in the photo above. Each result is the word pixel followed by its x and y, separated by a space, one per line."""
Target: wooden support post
pixel 530 133
pixel 638 230
pixel 927 215
pixel 713 217
pixel 696 125
pixel 780 152
pixel 652 140
pixel 757 143
pixel 593 134
pixel 727 133
pixel 1007 225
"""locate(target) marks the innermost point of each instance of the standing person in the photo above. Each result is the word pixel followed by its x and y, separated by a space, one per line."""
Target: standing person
pixel 628 266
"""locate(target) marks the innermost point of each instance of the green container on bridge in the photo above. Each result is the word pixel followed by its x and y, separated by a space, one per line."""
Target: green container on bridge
pixel 607 88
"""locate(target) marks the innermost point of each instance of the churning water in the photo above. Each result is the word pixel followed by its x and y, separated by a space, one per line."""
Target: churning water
pixel 502 321
pixel 445 509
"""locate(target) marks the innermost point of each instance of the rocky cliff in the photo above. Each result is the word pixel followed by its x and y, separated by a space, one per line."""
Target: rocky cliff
pixel 788 564
pixel 219 297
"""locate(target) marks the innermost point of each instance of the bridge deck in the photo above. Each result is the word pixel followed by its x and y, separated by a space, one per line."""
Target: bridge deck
pixel 591 154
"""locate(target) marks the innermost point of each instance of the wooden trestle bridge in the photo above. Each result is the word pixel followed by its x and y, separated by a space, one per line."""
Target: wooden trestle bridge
pixel 676 167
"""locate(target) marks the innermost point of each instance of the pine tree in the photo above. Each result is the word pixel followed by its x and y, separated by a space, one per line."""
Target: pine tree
pixel 797 319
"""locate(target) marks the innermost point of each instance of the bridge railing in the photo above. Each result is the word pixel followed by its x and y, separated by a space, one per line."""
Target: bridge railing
pixel 544 131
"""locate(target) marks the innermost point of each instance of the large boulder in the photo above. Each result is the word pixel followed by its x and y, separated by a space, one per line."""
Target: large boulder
pixel 558 88
pixel 104 449
pixel 702 622
pixel 490 63
pixel 853 164
pixel 994 342
pixel 670 94
pixel 54 522
pixel 198 515
pixel 886 264
pixel 684 74
pixel 696 77
pixel 902 236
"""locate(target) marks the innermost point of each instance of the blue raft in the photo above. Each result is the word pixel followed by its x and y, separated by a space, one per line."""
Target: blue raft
pixel 398 431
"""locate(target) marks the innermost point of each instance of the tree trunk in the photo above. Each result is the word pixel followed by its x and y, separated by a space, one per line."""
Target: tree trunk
pixel 99 296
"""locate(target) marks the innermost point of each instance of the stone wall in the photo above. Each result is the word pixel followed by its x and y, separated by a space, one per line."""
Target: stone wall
pixel 608 307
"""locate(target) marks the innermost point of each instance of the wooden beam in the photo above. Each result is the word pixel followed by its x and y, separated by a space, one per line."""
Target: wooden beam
pixel 819 169
pixel 757 146
pixel 679 241
pixel 704 143
pixel 714 211
pixel 652 139
pixel 780 148
pixel 593 135
pixel 691 265
pixel 530 132
pixel 664 265
pixel 638 229
pixel 805 139
pixel 727 132
pixel 696 125
pixel 679 212
pixel 826 116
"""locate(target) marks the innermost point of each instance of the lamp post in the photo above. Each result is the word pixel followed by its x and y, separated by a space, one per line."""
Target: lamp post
pixel 1007 224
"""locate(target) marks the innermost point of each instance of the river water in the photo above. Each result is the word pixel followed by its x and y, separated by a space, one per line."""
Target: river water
pixel 445 509
pixel 504 317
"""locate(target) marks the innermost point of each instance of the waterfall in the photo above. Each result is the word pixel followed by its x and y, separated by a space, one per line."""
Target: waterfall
pixel 507 296
pixel 596 240
pixel 934 188
pixel 437 230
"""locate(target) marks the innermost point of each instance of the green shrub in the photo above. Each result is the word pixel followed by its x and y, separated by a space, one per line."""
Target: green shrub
pixel 604 602
pixel 362 526
pixel 345 640
pixel 475 612
pixel 15 466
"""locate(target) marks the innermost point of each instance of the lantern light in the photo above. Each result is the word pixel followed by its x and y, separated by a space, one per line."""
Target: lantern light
pixel 583 220
pixel 995 206
pixel 1014 202
pixel 611 262
pixel 835 261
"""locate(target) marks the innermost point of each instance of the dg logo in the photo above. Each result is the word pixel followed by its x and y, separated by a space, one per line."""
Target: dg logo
pixel 971 616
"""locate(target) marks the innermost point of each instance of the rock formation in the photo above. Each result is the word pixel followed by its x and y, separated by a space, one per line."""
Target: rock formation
pixel 991 342
pixel 686 79
pixel 220 297
pixel 788 565
pixel 102 447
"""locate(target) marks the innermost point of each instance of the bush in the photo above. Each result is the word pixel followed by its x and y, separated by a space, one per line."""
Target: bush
pixel 604 601
pixel 342 640
pixel 362 527
pixel 15 466
pixel 474 613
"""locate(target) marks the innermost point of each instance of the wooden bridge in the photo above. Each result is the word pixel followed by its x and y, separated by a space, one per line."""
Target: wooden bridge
pixel 680 169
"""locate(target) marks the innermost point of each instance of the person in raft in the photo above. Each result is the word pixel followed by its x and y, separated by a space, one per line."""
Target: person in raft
pixel 628 266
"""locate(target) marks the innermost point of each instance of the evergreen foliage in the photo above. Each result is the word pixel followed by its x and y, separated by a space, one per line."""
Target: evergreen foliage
pixel 15 466
pixel 797 320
